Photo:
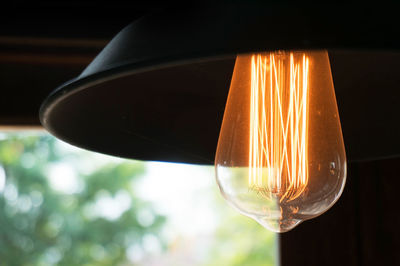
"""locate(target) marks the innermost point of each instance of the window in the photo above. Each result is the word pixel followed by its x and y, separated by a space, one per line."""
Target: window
pixel 61 205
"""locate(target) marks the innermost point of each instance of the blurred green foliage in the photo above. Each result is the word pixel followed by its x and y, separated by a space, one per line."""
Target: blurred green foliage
pixel 41 226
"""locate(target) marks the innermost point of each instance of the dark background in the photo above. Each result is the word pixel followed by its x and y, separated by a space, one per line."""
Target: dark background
pixel 45 43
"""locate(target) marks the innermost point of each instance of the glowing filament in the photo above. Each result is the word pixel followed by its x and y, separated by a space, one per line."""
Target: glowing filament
pixel 279 125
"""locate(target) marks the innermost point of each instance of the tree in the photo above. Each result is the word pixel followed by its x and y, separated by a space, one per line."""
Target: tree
pixel 64 206
pixel 101 222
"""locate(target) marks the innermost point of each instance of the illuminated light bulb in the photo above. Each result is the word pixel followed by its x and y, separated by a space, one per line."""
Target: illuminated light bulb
pixel 280 157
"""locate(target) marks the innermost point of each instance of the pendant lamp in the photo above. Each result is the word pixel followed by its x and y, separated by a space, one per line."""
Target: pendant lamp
pixel 159 89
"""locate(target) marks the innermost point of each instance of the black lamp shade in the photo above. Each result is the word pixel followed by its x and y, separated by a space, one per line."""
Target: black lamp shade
pixel 158 90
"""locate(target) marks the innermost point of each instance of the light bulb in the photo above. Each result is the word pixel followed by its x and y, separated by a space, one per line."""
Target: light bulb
pixel 280 157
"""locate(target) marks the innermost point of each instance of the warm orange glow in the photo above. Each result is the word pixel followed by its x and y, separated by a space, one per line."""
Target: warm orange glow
pixel 280 157
pixel 279 125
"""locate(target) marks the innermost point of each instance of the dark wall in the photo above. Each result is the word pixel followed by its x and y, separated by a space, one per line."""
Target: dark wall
pixel 362 228
pixel 46 43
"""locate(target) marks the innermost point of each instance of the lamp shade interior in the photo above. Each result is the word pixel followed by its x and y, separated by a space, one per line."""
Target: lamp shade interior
pixel 173 113
pixel 157 91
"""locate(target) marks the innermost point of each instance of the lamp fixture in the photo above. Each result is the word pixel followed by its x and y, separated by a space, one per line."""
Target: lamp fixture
pixel 158 90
